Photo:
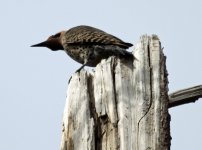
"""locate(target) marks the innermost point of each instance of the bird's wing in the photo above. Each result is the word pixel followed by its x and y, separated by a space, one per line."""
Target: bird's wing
pixel 89 35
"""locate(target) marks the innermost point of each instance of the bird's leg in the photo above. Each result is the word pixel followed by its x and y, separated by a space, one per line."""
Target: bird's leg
pixel 78 70
pixel 90 53
pixel 84 64
pixel 69 79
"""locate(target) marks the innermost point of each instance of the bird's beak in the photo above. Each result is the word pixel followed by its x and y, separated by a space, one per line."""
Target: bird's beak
pixel 42 44
pixel 52 44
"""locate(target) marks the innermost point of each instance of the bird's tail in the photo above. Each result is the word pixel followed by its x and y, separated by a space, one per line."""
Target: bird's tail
pixel 125 54
pixel 107 51
pixel 122 53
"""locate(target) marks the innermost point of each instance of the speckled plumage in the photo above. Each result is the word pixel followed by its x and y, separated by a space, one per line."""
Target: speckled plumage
pixel 84 35
pixel 87 45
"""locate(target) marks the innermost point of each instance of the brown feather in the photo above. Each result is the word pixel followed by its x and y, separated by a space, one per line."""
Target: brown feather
pixel 86 35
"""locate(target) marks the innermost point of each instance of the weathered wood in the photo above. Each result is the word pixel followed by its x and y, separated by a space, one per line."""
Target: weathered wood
pixel 122 105
pixel 184 96
pixel 78 125
pixel 151 96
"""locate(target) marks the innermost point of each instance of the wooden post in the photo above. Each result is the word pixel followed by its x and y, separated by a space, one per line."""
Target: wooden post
pixel 122 105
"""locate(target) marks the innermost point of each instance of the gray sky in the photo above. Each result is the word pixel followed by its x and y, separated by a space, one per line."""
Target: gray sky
pixel 33 81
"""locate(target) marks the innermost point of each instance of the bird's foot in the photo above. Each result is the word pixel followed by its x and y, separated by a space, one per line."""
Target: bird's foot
pixel 69 79
pixel 77 71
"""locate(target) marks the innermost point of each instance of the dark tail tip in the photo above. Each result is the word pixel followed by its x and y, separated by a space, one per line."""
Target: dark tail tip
pixel 129 44
pixel 125 45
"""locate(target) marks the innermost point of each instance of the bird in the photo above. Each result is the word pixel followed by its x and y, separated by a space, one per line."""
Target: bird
pixel 87 45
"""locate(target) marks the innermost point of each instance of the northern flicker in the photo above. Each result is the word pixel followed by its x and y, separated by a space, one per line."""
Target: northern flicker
pixel 87 45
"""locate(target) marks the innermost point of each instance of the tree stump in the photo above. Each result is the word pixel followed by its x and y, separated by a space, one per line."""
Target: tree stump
pixel 123 105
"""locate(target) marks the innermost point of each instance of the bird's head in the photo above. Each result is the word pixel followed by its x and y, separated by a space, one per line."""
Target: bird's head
pixel 54 42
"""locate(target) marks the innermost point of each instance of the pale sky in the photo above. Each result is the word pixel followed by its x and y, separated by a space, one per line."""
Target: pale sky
pixel 33 81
